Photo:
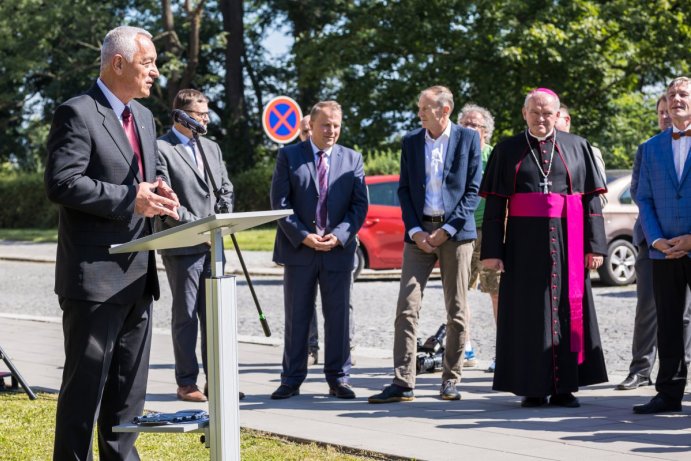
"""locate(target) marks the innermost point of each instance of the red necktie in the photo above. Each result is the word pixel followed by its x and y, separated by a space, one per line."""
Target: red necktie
pixel 131 132
pixel 678 134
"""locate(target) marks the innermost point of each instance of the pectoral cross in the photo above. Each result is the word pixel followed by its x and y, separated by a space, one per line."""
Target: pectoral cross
pixel 545 186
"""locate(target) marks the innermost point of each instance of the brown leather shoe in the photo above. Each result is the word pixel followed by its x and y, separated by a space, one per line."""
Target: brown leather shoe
pixel 191 393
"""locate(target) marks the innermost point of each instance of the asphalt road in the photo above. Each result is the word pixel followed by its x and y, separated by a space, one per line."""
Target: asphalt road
pixel 27 288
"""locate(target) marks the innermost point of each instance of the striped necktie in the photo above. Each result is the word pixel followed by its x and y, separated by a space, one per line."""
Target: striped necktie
pixel 323 183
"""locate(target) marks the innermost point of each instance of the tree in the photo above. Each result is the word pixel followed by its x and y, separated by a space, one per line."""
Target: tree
pixel 377 56
pixel 48 52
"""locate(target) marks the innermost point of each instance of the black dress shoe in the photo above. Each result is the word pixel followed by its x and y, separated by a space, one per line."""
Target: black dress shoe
pixel 567 400
pixel 342 391
pixel 656 405
pixel 285 391
pixel 633 382
pixel 531 402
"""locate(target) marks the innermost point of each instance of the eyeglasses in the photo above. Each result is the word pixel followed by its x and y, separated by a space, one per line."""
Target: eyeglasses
pixel 472 125
pixel 201 114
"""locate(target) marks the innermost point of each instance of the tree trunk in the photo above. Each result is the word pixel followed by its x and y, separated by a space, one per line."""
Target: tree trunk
pixel 237 122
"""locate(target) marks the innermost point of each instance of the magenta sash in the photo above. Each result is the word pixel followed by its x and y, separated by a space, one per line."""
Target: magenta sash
pixel 538 205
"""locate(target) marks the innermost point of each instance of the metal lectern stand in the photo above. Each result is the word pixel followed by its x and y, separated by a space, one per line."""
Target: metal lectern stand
pixel 223 430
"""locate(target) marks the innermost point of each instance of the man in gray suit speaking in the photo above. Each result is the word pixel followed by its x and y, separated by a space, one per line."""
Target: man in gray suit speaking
pixel 100 170
pixel 324 184
pixel 180 163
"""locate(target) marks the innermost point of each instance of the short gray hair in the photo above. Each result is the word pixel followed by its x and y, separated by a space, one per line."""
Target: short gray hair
pixel 537 91
pixel 441 94
pixel 484 113
pixel 120 41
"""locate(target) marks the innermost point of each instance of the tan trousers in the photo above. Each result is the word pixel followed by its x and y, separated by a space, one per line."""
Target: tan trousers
pixel 454 262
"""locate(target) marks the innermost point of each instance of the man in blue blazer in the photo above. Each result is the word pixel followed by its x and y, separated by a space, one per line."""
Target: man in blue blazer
pixel 441 168
pixel 324 184
pixel 664 201
pixel 644 342
pixel 101 170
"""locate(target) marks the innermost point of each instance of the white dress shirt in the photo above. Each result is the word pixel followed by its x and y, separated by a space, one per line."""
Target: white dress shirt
pixel 680 148
pixel 435 157
pixel 115 104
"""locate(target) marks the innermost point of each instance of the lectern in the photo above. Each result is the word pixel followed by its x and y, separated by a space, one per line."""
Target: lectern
pixel 223 430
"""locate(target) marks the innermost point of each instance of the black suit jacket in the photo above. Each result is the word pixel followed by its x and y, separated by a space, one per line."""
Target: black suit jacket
pixel 90 174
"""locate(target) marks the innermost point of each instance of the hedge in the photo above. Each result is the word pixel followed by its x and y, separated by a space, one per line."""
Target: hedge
pixel 25 204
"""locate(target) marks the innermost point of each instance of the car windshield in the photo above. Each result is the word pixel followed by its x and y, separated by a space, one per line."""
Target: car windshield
pixel 616 174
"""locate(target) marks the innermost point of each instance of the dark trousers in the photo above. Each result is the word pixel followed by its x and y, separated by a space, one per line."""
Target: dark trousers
pixel 644 343
pixel 106 370
pixel 671 278
pixel 300 291
pixel 314 327
pixel 186 277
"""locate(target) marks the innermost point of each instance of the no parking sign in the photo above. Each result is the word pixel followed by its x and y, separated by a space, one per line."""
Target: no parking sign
pixel 281 119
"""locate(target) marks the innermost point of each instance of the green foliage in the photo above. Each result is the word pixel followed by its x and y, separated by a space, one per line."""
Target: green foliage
pixel 632 122
pixel 25 203
pixel 385 161
pixel 252 187
pixel 604 59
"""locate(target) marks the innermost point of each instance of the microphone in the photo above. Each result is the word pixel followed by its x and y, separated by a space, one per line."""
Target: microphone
pixel 188 122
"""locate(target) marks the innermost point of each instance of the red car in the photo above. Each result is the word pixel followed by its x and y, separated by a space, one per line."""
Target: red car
pixel 381 236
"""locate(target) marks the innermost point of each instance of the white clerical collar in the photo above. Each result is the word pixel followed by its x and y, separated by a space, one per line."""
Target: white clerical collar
pixel 446 133
pixel 115 104
pixel 541 138
pixel 315 149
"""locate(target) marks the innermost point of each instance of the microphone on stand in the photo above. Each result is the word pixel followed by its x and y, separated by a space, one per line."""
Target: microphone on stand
pixel 188 122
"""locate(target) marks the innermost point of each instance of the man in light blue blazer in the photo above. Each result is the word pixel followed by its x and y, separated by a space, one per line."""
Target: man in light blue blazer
pixel 441 168
pixel 664 200
pixel 324 184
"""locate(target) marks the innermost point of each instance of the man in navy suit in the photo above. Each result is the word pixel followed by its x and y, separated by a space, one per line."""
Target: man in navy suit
pixel 441 168
pixel 100 170
pixel 664 200
pixel 324 184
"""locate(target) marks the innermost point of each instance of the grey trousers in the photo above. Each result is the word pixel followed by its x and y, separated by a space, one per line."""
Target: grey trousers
pixel 186 276
pixel 644 345
pixel 454 262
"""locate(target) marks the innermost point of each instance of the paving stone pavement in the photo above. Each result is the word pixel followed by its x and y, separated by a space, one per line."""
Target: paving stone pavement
pixel 484 425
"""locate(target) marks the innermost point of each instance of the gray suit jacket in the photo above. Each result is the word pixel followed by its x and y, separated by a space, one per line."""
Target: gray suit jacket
pixel 197 199
pixel 90 174
pixel 294 185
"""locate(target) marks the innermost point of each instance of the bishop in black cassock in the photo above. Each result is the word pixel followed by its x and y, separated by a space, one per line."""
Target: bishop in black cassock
pixel 548 342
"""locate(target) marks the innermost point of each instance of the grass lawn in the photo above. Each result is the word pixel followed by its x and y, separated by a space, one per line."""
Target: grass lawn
pixel 260 239
pixel 26 434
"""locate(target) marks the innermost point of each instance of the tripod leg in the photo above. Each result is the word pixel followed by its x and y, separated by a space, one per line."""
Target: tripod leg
pixel 16 376
pixel 262 319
